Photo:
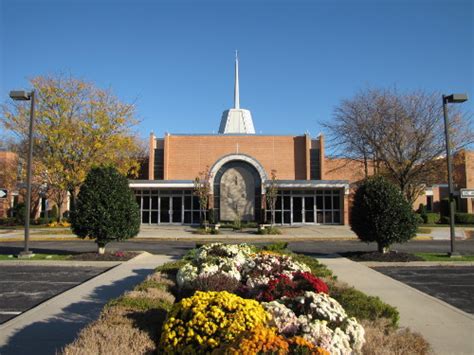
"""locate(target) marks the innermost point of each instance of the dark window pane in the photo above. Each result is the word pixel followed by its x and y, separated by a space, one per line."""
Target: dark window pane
pixel 164 216
pixel 287 217
pixel 319 217
pixel 337 217
pixel 309 203
pixel 145 217
pixel 327 202
pixel 139 200
pixel 187 203
pixel 287 203
pixel 336 200
pixel 154 217
pixel 146 202
pixel 327 217
pixel 278 217
pixel 309 216
pixel 154 192
pixel 319 202
pixel 187 217
pixel 196 218
pixel 278 203
pixel 154 203
pixel 165 203
pixel 195 203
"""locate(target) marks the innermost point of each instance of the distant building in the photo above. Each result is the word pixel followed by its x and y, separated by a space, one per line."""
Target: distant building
pixel 240 163
pixel 313 189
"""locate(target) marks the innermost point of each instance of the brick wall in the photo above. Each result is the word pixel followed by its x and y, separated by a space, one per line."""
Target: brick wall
pixel 344 169
pixel 186 156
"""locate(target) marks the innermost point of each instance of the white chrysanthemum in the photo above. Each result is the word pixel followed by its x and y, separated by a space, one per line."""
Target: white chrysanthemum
pixel 316 332
pixel 186 274
pixel 339 343
pixel 356 333
pixel 322 306
pixel 283 318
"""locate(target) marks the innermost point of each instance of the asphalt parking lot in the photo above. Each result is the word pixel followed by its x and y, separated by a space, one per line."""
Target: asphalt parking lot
pixel 451 284
pixel 25 286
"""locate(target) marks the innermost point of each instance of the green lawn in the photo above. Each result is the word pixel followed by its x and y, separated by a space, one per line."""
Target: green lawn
pixel 445 225
pixel 53 231
pixel 443 257
pixel 36 257
pixel 32 226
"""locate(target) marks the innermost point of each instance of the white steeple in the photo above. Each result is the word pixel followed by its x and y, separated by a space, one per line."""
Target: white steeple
pixel 236 120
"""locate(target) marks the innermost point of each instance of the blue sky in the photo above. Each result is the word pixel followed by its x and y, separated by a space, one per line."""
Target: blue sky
pixel 298 59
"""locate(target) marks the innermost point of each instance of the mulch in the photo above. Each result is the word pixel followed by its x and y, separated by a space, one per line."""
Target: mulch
pixel 392 256
pixel 111 256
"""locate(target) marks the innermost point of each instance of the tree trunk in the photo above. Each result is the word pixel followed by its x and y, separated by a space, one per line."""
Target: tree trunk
pixel 101 248
pixel 382 249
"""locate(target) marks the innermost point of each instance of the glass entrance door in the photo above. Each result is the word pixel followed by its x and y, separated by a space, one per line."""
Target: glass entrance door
pixel 309 209
pixel 298 209
pixel 177 209
pixel 165 209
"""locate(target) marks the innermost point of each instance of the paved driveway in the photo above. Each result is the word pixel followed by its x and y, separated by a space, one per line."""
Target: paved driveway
pixel 24 286
pixel 452 284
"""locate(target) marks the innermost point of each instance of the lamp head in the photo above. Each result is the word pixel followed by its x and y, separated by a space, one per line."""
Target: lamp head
pixel 20 95
pixel 456 98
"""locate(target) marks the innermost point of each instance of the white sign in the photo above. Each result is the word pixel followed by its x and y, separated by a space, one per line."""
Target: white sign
pixel 3 193
pixel 467 193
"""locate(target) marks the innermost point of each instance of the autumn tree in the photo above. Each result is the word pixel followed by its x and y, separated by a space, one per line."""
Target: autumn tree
pixel 77 126
pixel 400 134
pixel 202 189
pixel 272 195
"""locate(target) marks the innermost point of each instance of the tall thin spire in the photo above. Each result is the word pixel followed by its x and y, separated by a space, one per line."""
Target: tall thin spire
pixel 236 87
pixel 236 120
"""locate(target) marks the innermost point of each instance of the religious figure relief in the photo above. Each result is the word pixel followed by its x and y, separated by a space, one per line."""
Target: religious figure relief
pixel 237 195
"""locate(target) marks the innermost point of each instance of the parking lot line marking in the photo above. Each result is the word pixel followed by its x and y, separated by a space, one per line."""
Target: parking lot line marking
pixel 10 313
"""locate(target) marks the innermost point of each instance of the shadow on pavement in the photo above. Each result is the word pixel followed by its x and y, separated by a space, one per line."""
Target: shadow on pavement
pixel 16 250
pixel 50 335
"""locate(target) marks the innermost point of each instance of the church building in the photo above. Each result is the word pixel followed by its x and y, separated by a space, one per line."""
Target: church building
pixel 240 164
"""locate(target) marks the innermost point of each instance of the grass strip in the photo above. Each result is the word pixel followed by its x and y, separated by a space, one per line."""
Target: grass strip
pixel 444 257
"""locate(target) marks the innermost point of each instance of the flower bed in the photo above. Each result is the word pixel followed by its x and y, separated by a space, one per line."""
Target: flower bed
pixel 238 299
pixel 297 304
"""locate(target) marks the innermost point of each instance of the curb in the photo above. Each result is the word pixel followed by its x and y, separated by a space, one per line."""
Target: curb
pixel 372 264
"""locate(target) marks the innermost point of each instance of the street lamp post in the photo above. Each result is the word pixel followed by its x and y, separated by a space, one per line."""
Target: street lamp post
pixel 27 96
pixel 454 98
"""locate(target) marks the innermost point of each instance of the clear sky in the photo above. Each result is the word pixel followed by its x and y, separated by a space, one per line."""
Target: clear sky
pixel 298 59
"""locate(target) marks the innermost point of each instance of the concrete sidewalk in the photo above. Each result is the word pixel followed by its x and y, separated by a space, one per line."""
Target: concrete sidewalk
pixel 448 329
pixel 48 327
pixel 185 233
pixel 181 232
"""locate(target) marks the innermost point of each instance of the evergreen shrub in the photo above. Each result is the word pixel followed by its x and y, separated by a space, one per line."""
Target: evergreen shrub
pixel 106 209
pixel 381 214
pixel 464 218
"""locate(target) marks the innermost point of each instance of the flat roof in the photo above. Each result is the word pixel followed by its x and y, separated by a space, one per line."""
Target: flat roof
pixel 234 135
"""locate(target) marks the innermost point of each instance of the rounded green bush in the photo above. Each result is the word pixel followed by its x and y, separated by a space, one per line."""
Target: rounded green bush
pixel 106 209
pixel 381 214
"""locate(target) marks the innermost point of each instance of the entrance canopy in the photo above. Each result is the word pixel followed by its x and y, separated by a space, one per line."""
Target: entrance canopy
pixel 312 184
